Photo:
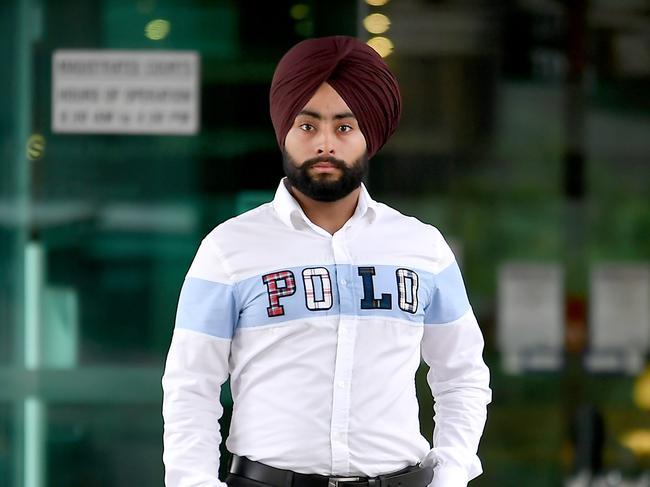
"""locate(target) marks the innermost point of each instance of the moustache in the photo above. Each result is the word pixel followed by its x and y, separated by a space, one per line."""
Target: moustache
pixel 338 163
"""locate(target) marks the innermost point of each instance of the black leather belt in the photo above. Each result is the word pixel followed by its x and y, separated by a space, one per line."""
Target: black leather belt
pixel 415 476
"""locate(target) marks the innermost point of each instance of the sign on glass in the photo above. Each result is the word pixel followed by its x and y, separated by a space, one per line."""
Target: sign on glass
pixel 125 92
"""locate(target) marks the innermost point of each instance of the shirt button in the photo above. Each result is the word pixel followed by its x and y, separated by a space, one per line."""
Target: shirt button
pixel 344 282
pixel 341 384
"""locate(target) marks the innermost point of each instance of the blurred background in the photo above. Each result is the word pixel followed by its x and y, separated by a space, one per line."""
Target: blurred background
pixel 130 128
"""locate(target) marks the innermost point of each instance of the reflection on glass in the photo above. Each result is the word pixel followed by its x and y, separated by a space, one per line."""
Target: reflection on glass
pixel 104 445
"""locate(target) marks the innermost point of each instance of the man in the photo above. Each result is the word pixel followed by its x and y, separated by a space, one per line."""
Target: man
pixel 319 306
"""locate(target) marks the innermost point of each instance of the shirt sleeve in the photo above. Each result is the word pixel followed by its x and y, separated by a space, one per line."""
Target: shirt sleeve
pixel 196 367
pixel 452 346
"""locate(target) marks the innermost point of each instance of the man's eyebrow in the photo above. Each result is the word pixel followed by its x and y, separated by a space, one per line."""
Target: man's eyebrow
pixel 318 116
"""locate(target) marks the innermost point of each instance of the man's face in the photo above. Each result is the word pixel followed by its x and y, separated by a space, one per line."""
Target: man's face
pixel 325 154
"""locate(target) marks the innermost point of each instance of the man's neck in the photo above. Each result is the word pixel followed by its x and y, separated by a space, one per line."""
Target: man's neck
pixel 329 215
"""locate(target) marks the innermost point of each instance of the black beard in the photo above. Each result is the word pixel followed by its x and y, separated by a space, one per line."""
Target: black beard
pixel 323 189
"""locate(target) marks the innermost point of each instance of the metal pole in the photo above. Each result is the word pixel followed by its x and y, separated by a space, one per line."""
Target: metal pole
pixel 28 411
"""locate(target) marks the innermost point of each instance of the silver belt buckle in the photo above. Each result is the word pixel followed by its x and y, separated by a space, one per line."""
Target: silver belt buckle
pixel 334 481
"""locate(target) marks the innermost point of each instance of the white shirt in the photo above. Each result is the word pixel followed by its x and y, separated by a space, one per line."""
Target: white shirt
pixel 322 335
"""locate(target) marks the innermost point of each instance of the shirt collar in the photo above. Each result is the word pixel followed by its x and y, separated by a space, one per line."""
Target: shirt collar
pixel 290 212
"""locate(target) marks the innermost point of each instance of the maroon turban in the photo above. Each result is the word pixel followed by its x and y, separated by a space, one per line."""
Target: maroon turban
pixel 357 73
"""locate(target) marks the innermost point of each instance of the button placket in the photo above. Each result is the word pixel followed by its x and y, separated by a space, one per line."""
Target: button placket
pixel 341 397
pixel 344 359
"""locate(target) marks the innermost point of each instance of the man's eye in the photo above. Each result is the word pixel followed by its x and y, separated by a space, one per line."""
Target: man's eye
pixel 307 125
pixel 345 127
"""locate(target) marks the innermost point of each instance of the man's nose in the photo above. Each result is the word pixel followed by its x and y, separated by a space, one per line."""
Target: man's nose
pixel 325 143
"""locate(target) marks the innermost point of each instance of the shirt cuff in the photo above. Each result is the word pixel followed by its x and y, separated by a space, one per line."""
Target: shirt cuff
pixel 449 476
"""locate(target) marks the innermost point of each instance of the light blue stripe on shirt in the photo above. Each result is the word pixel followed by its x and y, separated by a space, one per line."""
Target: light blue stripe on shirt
pixel 207 307
pixel 449 299
pixel 211 307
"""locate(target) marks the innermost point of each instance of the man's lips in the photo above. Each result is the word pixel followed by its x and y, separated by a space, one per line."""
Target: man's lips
pixel 325 167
